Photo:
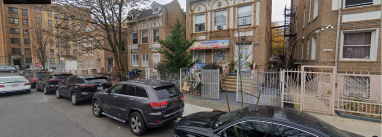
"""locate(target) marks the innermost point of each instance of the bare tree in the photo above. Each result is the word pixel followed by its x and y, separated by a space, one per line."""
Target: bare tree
pixel 102 22
pixel 40 42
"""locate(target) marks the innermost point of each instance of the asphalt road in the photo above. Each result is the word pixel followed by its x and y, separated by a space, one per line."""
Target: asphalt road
pixel 36 114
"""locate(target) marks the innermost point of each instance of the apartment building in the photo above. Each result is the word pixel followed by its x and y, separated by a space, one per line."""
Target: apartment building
pixel 18 23
pixel 222 26
pixel 315 25
pixel 144 27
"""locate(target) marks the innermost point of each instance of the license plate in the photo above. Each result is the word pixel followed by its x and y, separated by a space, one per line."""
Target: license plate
pixel 99 88
pixel 14 85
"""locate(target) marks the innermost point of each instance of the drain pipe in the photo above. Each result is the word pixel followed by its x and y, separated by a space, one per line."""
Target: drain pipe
pixel 338 33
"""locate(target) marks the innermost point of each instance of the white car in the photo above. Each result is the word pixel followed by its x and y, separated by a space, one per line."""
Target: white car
pixel 14 84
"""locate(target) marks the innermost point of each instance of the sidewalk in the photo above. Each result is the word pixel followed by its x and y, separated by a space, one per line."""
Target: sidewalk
pixel 360 127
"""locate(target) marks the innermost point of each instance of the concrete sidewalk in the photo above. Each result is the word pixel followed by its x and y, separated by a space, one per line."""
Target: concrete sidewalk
pixel 360 127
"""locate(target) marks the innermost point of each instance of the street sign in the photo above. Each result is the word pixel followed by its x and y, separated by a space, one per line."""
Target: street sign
pixel 61 58
pixel 37 64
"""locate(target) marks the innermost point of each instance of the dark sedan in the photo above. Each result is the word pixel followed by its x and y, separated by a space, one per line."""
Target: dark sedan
pixel 255 121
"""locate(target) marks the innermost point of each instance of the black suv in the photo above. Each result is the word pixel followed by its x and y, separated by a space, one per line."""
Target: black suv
pixel 48 82
pixel 144 105
pixel 36 76
pixel 81 88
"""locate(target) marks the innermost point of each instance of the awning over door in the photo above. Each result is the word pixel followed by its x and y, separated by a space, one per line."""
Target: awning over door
pixel 214 44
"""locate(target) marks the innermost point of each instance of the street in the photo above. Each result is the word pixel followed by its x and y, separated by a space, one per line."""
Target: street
pixel 36 114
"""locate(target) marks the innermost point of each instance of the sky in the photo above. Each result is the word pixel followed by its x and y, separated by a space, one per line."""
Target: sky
pixel 277 8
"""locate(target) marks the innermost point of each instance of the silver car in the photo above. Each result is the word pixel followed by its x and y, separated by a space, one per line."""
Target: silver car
pixel 8 69
pixel 14 84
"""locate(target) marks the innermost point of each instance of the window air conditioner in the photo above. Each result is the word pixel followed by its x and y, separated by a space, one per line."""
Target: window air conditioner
pixel 220 27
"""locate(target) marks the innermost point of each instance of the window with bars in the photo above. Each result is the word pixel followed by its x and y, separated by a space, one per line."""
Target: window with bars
pixel 357 86
pixel 135 38
pixel 145 36
pixel 16 51
pixel 356 3
pixel 25 12
pixel 12 10
pixel 15 40
pixel 50 13
pixel 27 50
pixel 200 22
pixel 15 31
pixel 134 59
pixel 28 60
pixel 155 35
pixel 25 22
pixel 13 21
pixel 244 15
pixel 145 59
pixel 27 41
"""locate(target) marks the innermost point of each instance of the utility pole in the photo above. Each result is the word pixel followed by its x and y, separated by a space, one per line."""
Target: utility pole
pixel 59 39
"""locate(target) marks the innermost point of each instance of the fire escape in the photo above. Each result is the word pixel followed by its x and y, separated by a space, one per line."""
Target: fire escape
pixel 290 31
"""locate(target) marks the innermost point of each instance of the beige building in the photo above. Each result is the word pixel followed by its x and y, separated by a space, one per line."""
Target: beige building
pixel 219 26
pixel 314 25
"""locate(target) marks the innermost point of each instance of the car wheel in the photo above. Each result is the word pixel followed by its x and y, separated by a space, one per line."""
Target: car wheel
pixel 58 96
pixel 97 111
pixel 74 99
pixel 12 71
pixel 137 124
pixel 45 91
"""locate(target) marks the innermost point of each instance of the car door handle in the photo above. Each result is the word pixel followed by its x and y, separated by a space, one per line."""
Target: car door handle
pixel 115 96
pixel 131 99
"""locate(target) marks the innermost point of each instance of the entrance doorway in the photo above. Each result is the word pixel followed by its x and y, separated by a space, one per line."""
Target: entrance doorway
pixel 245 55
pixel 17 62
pixel 156 60
pixel 110 64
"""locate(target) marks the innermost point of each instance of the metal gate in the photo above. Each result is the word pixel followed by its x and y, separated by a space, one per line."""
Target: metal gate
pixel 210 84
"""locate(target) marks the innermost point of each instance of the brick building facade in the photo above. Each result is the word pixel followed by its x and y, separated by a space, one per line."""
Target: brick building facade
pixel 315 28
pixel 217 25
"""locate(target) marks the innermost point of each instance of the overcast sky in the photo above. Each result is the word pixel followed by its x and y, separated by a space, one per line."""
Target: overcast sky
pixel 277 7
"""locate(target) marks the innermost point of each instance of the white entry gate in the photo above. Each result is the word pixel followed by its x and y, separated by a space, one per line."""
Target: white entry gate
pixel 210 83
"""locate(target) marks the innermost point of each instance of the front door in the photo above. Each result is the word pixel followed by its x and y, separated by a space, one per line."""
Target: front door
pixel 110 64
pixel 110 99
pixel 17 62
pixel 156 60
pixel 245 55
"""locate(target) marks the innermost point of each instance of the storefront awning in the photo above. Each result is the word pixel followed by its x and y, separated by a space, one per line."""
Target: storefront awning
pixel 214 44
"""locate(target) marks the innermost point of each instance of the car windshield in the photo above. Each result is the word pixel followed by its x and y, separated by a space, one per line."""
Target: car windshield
pixel 229 117
pixel 12 80
pixel 166 92
pixel 61 76
pixel 39 74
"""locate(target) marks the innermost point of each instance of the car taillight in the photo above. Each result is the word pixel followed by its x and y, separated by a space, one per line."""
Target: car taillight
pixel 182 97
pixel 34 79
pixel 27 84
pixel 85 86
pixel 54 80
pixel 157 105
pixel 108 84
pixel 2 86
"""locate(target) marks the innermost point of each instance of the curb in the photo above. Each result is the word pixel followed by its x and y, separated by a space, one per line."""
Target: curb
pixel 341 114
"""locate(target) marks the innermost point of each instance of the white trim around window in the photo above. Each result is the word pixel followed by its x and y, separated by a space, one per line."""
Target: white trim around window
pixel 314 46
pixel 221 21
pixel 201 20
pixel 237 15
pixel 146 36
pixel 157 33
pixel 134 59
pixel 373 43
pixel 145 59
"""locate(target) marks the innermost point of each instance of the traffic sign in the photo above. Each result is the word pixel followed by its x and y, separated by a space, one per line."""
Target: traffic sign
pixel 37 64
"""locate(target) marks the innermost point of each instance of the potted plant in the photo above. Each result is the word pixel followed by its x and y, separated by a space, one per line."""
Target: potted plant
pixel 232 65
pixel 250 64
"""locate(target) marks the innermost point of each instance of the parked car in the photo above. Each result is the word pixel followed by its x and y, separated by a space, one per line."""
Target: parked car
pixel 49 82
pixel 8 69
pixel 36 76
pixel 14 84
pixel 254 121
pixel 80 88
pixel 144 105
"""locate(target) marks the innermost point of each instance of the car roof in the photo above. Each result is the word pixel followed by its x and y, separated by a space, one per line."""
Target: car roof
pixel 150 82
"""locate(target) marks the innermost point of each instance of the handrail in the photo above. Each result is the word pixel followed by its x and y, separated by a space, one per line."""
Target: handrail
pixel 224 76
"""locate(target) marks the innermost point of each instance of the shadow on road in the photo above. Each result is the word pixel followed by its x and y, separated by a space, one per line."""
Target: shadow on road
pixel 13 94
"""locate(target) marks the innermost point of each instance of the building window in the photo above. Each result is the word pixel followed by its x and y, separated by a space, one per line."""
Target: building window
pixel 15 40
pixel 155 35
pixel 67 43
pixel 73 26
pixel 145 59
pixel 52 60
pixel 314 44
pixel 12 10
pixel 37 10
pixel 355 3
pixel 27 41
pixel 219 55
pixel 84 17
pixel 15 31
pixel 123 46
pixel 315 10
pixel 310 9
pixel 92 63
pixel 67 52
pixel 359 45
pixel 26 32
pixel 50 22
pixel 51 42
pixel 38 21
pixel 74 52
pixel 145 37
pixel 356 86
pixel 220 19
pixel 134 59
pixel 25 22
pixel 135 38
pixel 199 56
pixel 156 9
pixel 50 13
pixel 16 51
pixel 200 23
pixel 86 63
pixel 51 51
pixel 302 50
pixel 66 16
pixel 307 50
pixel 80 63
pixel 244 15
pixel 25 12
pixel 303 23
pixel 27 50
pixel 28 60
pixel 13 21
pixel 98 63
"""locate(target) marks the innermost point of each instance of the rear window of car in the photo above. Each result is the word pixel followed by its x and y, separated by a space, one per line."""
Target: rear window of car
pixel 60 76
pixel 101 81
pixel 166 92
pixel 11 80
pixel 39 74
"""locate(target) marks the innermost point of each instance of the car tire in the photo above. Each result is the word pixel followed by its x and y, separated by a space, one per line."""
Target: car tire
pixel 12 71
pixel 58 96
pixel 137 124
pixel 97 111
pixel 74 99
pixel 45 91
